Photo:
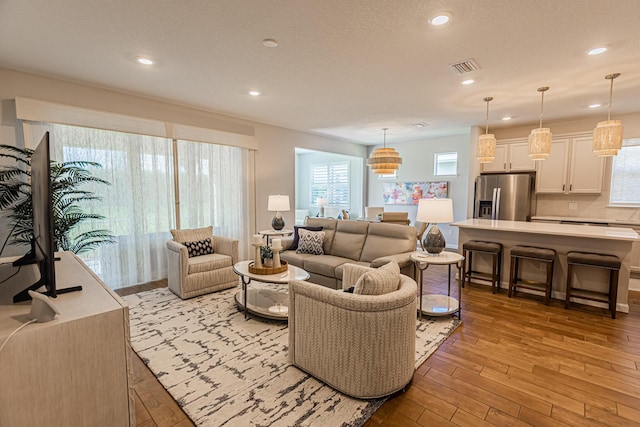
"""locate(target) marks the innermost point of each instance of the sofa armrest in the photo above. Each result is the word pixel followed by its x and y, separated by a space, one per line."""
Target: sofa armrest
pixel 351 273
pixel 286 242
pixel 403 260
pixel 177 259
pixel 226 246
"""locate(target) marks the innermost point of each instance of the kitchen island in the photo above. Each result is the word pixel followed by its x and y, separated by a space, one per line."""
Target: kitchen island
pixel 563 238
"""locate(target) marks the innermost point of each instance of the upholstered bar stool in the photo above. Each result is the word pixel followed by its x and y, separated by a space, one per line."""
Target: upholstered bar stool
pixel 491 248
pixel 542 255
pixel 585 259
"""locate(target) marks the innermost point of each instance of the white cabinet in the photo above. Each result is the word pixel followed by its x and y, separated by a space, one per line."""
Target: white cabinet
pixel 571 168
pixel 510 157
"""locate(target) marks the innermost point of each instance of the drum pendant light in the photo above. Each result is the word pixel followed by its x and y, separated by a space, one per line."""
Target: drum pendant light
pixel 607 136
pixel 384 161
pixel 540 139
pixel 487 142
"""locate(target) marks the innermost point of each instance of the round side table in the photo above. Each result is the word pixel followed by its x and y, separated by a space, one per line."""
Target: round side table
pixel 434 304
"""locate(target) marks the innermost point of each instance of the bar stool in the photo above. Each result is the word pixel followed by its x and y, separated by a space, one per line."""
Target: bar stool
pixel 585 259
pixel 491 248
pixel 543 255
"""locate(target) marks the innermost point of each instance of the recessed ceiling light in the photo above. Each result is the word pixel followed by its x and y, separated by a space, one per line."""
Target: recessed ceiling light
pixel 270 43
pixel 595 105
pixel 255 93
pixel 440 19
pixel 468 82
pixel 597 51
pixel 144 60
pixel 505 118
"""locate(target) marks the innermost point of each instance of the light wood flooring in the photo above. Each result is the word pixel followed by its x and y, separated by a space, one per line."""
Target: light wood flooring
pixel 513 362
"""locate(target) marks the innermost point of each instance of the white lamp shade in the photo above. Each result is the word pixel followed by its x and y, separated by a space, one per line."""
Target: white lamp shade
pixel 435 211
pixel 278 203
pixel 321 201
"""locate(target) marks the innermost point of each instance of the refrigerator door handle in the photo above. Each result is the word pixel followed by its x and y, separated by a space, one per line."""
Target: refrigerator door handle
pixel 494 206
pixel 498 204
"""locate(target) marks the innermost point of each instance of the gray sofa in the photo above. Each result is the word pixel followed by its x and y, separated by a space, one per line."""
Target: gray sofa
pixel 358 242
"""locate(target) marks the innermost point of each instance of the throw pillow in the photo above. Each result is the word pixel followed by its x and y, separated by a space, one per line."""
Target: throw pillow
pixel 310 242
pixel 296 234
pixel 380 281
pixel 199 247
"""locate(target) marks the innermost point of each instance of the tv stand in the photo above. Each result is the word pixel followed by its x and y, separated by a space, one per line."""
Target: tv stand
pixel 78 364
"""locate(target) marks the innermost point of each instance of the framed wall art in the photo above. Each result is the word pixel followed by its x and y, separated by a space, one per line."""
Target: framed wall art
pixel 409 193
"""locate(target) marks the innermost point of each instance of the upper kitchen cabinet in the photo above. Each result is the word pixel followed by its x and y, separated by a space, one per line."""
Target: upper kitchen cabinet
pixel 510 157
pixel 571 168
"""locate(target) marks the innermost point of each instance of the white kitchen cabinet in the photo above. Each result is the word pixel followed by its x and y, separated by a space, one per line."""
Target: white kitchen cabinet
pixel 510 157
pixel 571 168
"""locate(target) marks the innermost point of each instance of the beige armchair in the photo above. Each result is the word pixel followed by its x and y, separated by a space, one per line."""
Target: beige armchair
pixel 202 274
pixel 401 218
pixel 361 345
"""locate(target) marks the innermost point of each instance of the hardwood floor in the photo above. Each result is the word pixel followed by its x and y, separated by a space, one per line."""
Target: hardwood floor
pixel 513 362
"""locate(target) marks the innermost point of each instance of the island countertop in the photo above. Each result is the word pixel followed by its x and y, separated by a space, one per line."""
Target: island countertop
pixel 568 230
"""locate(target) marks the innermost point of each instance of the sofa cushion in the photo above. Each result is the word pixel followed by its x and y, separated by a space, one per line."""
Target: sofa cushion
pixel 310 242
pixel 388 239
pixel 349 239
pixel 199 247
pixel 200 264
pixel 328 226
pixel 192 235
pixel 294 258
pixel 296 234
pixel 324 265
pixel 379 281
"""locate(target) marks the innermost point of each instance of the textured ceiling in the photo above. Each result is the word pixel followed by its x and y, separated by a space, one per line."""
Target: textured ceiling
pixel 344 68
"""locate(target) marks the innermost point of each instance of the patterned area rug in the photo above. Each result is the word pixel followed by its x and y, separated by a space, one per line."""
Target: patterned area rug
pixel 224 370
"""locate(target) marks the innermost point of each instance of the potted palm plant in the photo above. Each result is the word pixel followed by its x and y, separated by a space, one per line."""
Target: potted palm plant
pixel 68 180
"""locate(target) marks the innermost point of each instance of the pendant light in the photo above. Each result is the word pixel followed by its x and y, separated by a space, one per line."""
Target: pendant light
pixel 384 161
pixel 540 139
pixel 607 136
pixel 487 142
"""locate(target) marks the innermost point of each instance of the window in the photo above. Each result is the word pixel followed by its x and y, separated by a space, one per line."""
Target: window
pixel 331 181
pixel 625 175
pixel 445 164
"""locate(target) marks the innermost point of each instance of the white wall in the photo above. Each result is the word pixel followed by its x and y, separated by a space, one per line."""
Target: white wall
pixel 275 159
pixel 417 166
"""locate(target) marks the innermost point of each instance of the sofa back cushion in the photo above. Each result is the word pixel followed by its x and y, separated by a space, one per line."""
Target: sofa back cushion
pixel 328 226
pixel 192 235
pixel 349 239
pixel 388 239
pixel 380 281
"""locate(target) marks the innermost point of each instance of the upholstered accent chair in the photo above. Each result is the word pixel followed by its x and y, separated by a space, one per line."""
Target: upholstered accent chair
pixel 401 218
pixel 362 345
pixel 208 269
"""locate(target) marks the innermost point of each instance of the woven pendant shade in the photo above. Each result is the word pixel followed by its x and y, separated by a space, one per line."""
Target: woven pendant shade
pixel 487 142
pixel 540 144
pixel 607 136
pixel 384 161
pixel 540 139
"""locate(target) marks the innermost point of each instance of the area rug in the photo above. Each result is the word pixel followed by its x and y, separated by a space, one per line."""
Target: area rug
pixel 224 370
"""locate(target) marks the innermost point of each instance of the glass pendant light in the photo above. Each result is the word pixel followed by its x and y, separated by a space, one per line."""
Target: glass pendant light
pixel 487 142
pixel 384 161
pixel 540 139
pixel 607 136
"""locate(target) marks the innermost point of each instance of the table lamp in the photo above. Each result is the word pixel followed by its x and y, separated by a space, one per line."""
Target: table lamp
pixel 322 202
pixel 434 211
pixel 277 204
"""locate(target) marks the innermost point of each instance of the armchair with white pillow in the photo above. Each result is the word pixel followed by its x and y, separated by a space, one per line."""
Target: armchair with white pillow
pixel 361 343
pixel 200 262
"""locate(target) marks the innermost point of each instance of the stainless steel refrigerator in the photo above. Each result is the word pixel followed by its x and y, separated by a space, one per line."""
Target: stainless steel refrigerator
pixel 505 196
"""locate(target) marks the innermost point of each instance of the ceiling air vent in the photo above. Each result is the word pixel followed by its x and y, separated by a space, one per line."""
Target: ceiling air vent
pixel 464 67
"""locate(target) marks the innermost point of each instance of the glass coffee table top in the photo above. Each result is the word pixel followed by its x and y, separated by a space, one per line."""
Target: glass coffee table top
pixel 267 303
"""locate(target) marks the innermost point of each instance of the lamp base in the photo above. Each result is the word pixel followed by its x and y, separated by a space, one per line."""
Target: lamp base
pixel 433 241
pixel 277 223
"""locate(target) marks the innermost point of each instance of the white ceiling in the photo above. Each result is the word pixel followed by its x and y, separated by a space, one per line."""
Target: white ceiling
pixel 344 68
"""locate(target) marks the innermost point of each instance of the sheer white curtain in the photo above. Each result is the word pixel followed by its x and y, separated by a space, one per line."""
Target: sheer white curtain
pixel 139 206
pixel 214 189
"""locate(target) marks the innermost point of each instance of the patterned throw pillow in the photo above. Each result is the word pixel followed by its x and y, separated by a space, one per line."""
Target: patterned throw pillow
pixel 296 234
pixel 310 242
pixel 199 247
pixel 380 281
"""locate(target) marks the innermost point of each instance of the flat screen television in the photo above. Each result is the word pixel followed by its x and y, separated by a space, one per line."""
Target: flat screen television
pixel 42 243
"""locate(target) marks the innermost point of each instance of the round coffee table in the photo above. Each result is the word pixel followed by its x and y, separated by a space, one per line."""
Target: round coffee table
pixel 267 303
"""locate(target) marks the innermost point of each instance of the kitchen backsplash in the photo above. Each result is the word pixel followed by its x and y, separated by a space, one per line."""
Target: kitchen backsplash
pixel 583 206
